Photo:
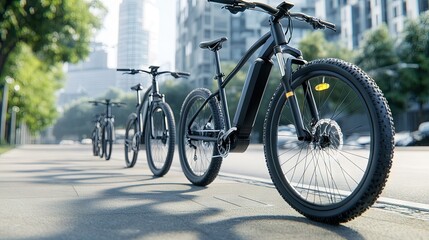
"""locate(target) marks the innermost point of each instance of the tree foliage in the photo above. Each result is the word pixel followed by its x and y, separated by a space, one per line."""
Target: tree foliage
pixel 36 37
pixel 379 58
pixel 56 30
pixel 77 120
pixel 378 50
pixel 37 85
pixel 175 92
pixel 315 46
pixel 414 49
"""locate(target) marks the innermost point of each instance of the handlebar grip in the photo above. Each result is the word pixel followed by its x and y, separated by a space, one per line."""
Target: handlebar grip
pixel 224 1
pixel 328 25
pixel 123 69
pixel 185 74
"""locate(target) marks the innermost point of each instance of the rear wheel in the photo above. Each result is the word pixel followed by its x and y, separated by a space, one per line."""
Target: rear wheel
pixel 132 141
pixel 160 139
pixel 338 172
pixel 199 156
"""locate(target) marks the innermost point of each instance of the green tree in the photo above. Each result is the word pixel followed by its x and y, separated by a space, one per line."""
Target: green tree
pixel 76 122
pixel 36 37
pixel 414 49
pixel 378 50
pixel 379 58
pixel 175 92
pixel 37 85
pixel 314 46
pixel 56 30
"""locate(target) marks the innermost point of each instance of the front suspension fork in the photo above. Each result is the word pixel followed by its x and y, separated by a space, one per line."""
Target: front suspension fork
pixel 285 64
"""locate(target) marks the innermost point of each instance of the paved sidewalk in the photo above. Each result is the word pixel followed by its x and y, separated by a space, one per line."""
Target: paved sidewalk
pixel 62 192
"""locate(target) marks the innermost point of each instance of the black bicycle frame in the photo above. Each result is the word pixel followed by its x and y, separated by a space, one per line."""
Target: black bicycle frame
pixel 273 42
pixel 141 109
pixel 108 109
pixel 151 95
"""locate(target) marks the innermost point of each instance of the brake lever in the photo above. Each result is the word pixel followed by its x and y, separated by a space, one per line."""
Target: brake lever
pixel 234 9
pixel 315 23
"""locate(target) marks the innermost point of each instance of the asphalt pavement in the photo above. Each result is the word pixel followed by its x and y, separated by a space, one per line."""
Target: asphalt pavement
pixel 63 192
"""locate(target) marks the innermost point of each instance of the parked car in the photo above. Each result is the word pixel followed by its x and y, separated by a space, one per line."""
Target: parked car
pixel 420 139
pixel 358 141
pixel 86 141
pixel 404 138
pixel 424 128
pixel 416 138
pixel 67 142
pixel 286 136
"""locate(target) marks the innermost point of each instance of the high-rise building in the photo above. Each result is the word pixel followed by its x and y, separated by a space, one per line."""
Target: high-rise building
pixel 137 38
pixel 88 78
pixel 199 21
pixel 354 17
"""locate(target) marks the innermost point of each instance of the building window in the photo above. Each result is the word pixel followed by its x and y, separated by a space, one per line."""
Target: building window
pixel 404 8
pixel 207 19
pixel 188 49
pixel 424 6
pixel 207 34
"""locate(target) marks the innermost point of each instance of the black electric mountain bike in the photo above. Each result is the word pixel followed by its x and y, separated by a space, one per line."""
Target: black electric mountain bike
pixel 309 127
pixel 106 129
pixel 152 123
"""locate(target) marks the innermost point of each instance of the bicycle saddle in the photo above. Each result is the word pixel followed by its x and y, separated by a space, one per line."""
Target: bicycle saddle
pixel 137 87
pixel 213 45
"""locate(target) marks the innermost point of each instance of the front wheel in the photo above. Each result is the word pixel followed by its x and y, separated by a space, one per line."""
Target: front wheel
pixel 339 171
pixel 160 139
pixel 95 142
pixel 101 137
pixel 199 156
pixel 132 141
pixel 108 139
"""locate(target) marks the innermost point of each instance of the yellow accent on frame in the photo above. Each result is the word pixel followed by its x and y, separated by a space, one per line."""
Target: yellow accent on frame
pixel 289 94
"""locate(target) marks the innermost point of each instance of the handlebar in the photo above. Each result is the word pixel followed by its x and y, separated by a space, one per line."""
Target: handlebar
pixel 180 74
pixel 107 102
pixel 282 10
pixel 153 72
pixel 225 1
pixel 316 23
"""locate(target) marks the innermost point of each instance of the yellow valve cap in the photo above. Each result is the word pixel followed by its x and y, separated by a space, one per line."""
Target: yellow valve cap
pixel 322 87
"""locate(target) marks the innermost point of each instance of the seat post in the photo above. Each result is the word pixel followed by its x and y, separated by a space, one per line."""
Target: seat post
pixel 219 74
pixel 139 98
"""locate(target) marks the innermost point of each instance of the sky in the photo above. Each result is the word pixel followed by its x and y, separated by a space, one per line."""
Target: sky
pixel 108 35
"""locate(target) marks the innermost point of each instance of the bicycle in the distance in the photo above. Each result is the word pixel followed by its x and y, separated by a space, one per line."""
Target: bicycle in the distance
pixel 151 124
pixel 107 128
pixel 317 107
pixel 96 135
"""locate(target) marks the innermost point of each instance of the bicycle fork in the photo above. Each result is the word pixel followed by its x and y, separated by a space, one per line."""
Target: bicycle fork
pixel 293 56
